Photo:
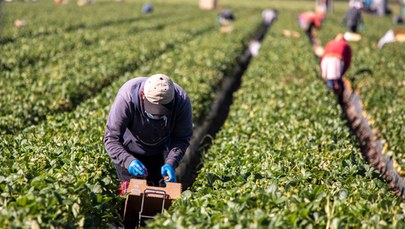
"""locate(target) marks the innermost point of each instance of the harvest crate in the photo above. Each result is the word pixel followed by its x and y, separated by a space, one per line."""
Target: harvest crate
pixel 144 201
pixel 208 4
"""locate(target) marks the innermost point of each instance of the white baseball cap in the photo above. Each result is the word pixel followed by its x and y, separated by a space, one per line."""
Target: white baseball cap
pixel 158 91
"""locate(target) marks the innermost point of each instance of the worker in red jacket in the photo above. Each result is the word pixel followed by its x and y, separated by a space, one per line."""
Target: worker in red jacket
pixel 335 61
pixel 309 20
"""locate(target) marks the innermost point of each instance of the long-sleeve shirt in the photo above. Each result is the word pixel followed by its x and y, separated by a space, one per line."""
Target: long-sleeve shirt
pixel 340 49
pixel 129 132
pixel 311 18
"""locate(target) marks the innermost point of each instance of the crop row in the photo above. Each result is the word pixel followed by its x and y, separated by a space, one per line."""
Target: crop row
pixel 41 50
pixel 58 173
pixel 41 88
pixel 72 17
pixel 284 157
pixel 377 75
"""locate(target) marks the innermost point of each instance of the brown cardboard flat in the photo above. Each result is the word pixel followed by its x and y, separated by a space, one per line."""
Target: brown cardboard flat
pixel 156 200
pixel 207 4
pixel 399 34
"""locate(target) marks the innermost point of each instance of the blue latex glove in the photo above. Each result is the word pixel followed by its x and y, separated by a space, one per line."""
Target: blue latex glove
pixel 168 170
pixel 361 26
pixel 136 168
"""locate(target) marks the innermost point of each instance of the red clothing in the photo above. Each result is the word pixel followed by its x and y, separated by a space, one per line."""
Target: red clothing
pixel 340 49
pixel 311 17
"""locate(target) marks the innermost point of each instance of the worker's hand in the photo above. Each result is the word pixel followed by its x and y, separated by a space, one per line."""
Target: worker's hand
pixel 361 26
pixel 136 168
pixel 168 170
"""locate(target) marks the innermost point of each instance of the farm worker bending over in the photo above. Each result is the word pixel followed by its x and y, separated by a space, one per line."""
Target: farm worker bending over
pixel 147 8
pixel 309 20
pixel 149 128
pixel 335 61
pixel 269 15
pixel 225 17
pixel 353 19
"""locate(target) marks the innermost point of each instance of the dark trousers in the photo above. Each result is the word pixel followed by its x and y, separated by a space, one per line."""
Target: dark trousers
pixel 310 33
pixel 152 163
pixel 352 27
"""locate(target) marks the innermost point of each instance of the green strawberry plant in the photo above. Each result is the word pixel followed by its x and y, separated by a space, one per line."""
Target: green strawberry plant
pixel 58 174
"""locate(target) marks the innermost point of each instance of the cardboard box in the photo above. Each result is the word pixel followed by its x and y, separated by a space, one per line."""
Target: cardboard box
pixel 144 201
pixel 208 4
pixel 399 34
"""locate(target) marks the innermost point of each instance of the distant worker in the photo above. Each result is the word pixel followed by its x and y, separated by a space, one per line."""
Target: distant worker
pixel 309 20
pixel 20 23
pixel 353 19
pixel 148 129
pixel 400 19
pixel 254 47
pixel 323 5
pixel 225 17
pixel 392 35
pixel 335 61
pixel 356 3
pixel 85 2
pixel 147 8
pixel 269 15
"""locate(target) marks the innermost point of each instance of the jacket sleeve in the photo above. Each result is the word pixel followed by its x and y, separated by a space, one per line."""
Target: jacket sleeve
pixel 361 19
pixel 180 138
pixel 117 123
pixel 347 57
pixel 317 22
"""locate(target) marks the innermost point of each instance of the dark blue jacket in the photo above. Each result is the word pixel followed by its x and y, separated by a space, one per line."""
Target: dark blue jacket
pixel 353 17
pixel 129 132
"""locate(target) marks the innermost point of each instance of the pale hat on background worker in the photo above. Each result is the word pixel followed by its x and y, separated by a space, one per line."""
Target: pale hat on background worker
pixel 159 92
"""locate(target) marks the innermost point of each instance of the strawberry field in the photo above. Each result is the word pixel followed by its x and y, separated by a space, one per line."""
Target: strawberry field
pixel 296 167
pixel 377 75
pixel 284 157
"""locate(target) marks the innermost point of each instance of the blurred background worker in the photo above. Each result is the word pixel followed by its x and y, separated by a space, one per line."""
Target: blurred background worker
pixel 20 23
pixel 392 35
pixel 309 20
pixel 335 61
pixel 225 17
pixel 149 128
pixel 254 47
pixel 269 15
pixel 353 19
pixel 147 8
pixel 324 6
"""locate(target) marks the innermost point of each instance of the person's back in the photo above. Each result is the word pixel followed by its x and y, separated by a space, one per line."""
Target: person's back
pixel 312 18
pixel 341 49
pixel 335 61
pixel 307 16
pixel 309 20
